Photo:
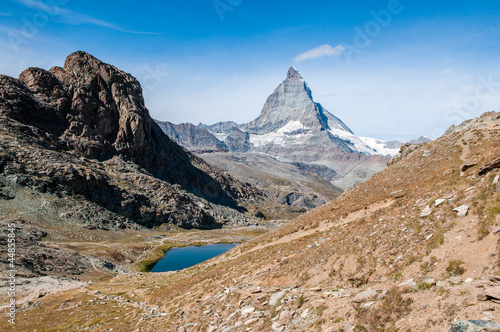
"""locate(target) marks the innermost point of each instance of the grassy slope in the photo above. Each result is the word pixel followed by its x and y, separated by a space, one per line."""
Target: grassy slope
pixel 371 237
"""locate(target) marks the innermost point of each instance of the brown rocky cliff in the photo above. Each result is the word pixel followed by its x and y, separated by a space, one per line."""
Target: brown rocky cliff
pixel 83 129
pixel 97 111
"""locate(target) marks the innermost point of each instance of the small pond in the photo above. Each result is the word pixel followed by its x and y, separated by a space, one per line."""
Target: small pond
pixel 181 258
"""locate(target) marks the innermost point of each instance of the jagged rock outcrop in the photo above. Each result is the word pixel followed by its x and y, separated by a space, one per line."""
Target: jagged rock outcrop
pixel 404 151
pixel 83 131
pixel 292 102
pixel 32 258
pixel 238 140
pixel 192 137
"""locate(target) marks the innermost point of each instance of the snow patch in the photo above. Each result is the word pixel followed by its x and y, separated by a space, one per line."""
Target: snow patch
pixel 379 146
pixel 282 135
pixel 220 136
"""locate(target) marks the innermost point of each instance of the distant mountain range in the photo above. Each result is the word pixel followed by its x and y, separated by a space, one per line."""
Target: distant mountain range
pixel 293 128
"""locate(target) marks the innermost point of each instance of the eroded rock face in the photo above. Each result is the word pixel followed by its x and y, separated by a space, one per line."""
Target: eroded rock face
pixel 292 101
pixel 83 129
pixel 34 258
pixel 192 137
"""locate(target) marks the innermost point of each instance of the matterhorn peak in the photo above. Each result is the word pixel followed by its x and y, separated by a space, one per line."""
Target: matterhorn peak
pixel 293 74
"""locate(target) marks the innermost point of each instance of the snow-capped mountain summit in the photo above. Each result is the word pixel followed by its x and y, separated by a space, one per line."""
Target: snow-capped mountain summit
pixel 291 117
pixel 290 103
pixel 293 128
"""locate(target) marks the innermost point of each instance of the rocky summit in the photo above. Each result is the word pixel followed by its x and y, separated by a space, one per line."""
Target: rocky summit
pixel 79 138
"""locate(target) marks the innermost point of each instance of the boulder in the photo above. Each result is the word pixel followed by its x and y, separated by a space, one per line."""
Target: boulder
pixel 276 297
pixel 462 210
pixel 438 202
pixel 429 281
pixel 475 326
pixel 408 284
pixel 493 293
pixel 468 165
pixel 426 212
pixel 248 310
pixel 490 166
pixel 367 295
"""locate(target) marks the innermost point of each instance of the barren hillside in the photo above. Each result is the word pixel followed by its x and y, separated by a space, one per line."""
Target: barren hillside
pixel 413 248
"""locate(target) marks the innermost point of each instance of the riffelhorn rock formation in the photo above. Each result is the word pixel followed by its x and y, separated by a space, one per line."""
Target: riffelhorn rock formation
pixel 82 135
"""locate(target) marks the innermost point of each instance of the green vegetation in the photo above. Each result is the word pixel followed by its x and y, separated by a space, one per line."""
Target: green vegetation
pixel 455 268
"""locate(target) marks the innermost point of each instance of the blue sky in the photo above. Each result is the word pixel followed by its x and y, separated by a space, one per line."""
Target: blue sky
pixel 389 69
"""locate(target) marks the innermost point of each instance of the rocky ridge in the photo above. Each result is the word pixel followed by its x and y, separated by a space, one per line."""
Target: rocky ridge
pixel 193 138
pixel 83 131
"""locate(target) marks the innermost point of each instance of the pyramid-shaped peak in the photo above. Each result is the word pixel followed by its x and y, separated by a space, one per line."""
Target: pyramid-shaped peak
pixel 293 74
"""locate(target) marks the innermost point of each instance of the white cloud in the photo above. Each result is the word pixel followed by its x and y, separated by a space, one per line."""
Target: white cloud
pixel 70 17
pixel 320 51
pixel 447 71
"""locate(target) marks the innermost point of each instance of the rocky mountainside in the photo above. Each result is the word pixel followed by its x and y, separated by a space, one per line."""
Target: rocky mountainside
pixel 414 248
pixel 299 185
pixel 80 138
pixel 293 128
pixel 193 138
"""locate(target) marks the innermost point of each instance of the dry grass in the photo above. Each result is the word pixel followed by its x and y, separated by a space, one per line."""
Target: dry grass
pixel 393 307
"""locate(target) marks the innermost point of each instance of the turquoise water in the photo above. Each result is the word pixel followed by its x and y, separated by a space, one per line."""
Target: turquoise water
pixel 181 258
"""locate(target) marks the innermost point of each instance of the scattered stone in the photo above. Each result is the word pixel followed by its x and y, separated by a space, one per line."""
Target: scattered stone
pixel 408 284
pixel 367 295
pixel 398 193
pixel 454 280
pixel 276 297
pixel 368 305
pixel 251 321
pixel 426 212
pixel 482 297
pixel 496 230
pixel 304 314
pixel 493 292
pixel 494 278
pixel 348 327
pixel 426 154
pixel 481 283
pixel 382 295
pixel 316 289
pixel 277 327
pixel 442 284
pixel 462 210
pixel 255 290
pixel 438 202
pixel 468 280
pixel 429 281
pixel 495 180
pixel 475 326
pixel 468 165
pixel 248 310
pixel 489 166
